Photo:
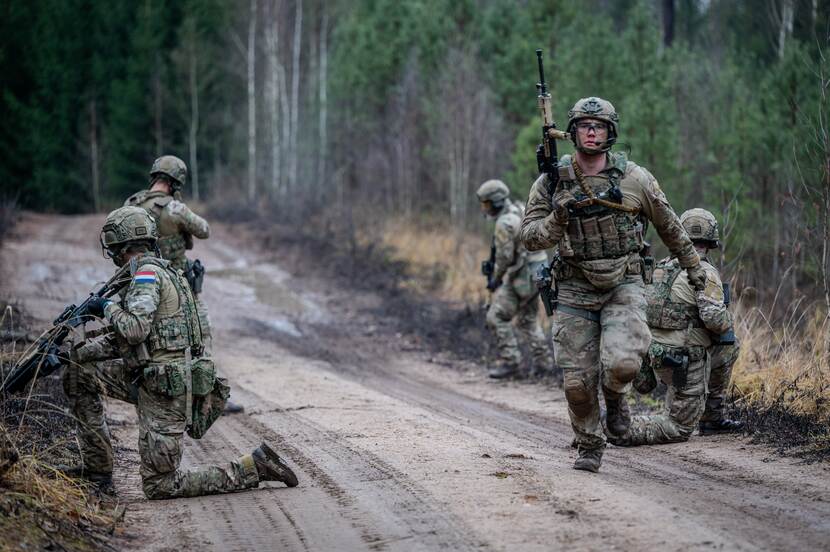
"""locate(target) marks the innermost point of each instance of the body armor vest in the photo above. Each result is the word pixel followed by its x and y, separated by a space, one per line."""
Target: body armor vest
pixel 661 311
pixel 174 330
pixel 599 232
pixel 172 244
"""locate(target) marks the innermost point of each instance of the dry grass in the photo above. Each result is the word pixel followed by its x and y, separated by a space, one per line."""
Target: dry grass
pixel 443 262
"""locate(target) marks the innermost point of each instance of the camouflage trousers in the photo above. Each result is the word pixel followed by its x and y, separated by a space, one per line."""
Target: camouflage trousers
pixel 161 422
pixel 723 358
pixel 506 306
pixel 204 323
pixel 607 352
pixel 685 401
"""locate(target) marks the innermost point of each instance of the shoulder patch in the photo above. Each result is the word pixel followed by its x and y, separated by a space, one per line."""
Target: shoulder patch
pixel 145 277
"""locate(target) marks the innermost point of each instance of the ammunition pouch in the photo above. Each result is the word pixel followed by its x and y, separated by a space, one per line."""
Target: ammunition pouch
pixel 166 380
pixel 194 272
pixel 207 408
pixel 677 359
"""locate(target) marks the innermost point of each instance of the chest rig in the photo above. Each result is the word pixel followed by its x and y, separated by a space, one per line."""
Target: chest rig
pixel 171 243
pixel 599 225
pixel 661 311
pixel 179 329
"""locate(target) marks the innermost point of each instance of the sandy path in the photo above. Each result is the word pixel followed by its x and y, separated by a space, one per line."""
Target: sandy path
pixel 398 452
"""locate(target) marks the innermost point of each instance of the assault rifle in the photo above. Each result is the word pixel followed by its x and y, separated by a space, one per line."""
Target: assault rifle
pixel 488 267
pixel 44 356
pixel 547 157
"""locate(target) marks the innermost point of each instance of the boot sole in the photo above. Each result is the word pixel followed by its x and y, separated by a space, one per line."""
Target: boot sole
pixel 286 475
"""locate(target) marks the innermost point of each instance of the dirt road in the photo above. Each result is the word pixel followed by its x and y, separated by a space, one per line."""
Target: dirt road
pixel 399 450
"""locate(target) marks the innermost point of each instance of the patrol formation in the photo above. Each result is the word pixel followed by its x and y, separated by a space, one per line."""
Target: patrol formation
pixel 619 321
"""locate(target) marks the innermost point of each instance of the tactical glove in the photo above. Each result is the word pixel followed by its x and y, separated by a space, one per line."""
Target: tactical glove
pixel 493 285
pixel 96 306
pixel 562 199
pixel 697 277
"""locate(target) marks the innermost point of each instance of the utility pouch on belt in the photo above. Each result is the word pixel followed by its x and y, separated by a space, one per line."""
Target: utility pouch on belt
pixel 166 380
pixel 208 408
pixel 679 365
pixel 195 274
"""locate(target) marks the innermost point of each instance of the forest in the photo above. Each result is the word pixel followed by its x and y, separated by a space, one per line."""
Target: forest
pixel 303 108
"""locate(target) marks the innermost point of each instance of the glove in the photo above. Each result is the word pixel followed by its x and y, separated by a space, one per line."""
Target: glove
pixel 562 199
pixel 697 277
pixel 493 285
pixel 96 306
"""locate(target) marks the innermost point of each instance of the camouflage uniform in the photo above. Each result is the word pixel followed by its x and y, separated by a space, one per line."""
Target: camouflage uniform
pixel 603 335
pixel 177 226
pixel 517 298
pixel 682 322
pixel 157 311
pixel 723 357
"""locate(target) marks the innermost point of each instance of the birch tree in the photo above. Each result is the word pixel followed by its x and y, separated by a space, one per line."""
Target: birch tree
pixel 273 96
pixel 295 94
pixel 251 82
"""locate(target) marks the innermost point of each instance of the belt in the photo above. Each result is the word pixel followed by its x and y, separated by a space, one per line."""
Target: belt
pixel 593 316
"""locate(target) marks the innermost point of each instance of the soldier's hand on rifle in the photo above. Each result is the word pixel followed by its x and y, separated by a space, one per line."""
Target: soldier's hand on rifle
pixel 561 200
pixel 96 306
pixel 697 277
pixel 493 285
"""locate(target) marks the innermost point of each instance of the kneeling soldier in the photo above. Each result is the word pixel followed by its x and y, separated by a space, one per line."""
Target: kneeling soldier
pixel 151 357
pixel 685 325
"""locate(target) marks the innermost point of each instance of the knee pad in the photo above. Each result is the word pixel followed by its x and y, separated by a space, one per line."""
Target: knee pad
pixel 626 369
pixel 578 396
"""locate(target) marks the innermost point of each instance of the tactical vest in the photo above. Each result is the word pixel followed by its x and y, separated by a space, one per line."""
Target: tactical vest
pixel 663 313
pixel 599 232
pixel 172 244
pixel 179 329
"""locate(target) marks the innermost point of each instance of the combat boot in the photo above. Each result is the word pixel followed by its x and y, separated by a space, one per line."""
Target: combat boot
pixel 503 371
pixel 720 426
pixel 102 481
pixel 617 418
pixel 270 466
pixel 589 460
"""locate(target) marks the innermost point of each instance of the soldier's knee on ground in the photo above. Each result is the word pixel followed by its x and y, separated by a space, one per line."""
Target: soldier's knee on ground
pixel 578 395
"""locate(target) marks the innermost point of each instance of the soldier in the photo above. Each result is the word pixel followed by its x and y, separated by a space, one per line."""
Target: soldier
pixel 683 323
pixel 177 225
pixel 514 296
pixel 597 215
pixel 150 359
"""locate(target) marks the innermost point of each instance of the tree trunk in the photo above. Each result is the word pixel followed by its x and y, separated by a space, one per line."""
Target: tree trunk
pixel 157 111
pixel 785 29
pixel 295 93
pixel 93 154
pixel 668 22
pixel 193 81
pixel 272 99
pixel 251 55
pixel 323 99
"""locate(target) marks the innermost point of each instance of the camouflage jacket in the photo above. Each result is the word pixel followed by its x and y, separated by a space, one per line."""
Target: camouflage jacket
pixel 640 191
pixel 156 314
pixel 511 255
pixel 177 224
pixel 680 316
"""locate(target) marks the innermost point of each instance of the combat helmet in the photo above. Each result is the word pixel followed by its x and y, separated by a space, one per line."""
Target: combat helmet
pixel 172 167
pixel 594 108
pixel 494 191
pixel 127 225
pixel 701 226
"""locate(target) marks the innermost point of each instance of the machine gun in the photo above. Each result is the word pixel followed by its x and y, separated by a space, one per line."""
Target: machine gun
pixel 547 157
pixel 44 357
pixel 488 267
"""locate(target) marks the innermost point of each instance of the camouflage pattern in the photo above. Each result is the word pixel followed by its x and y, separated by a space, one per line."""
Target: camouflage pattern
pixel 156 315
pixel 723 358
pixel 696 315
pixel 494 191
pixel 701 225
pixel 608 353
pixel 171 166
pixel 127 224
pixel 177 225
pixel 517 298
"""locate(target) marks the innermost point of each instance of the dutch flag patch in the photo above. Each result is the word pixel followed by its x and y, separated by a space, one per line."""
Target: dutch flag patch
pixel 145 277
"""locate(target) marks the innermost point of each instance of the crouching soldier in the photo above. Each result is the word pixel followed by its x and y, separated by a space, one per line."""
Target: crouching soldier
pixel 509 272
pixel 151 356
pixel 684 324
